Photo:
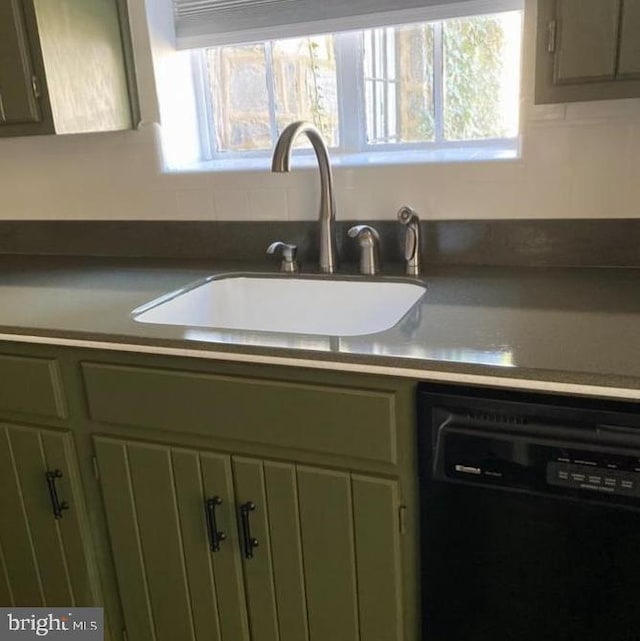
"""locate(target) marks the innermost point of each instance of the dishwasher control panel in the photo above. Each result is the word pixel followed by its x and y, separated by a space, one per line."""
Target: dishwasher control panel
pixel 537 464
pixel 611 479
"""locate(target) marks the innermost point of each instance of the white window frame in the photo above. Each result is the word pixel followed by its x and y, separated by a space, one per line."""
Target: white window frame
pixel 353 147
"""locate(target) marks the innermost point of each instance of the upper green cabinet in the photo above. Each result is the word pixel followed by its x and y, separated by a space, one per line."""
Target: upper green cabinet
pixel 587 50
pixel 19 98
pixel 65 67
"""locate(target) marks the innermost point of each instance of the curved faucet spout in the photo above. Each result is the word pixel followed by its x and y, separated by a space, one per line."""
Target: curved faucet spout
pixel 281 162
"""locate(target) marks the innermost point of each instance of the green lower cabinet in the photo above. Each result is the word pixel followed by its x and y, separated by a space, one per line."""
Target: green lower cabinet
pixel 43 540
pixel 172 586
pixel 350 535
pixel 306 554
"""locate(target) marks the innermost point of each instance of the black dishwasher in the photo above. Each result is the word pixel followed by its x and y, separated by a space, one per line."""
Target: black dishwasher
pixel 530 517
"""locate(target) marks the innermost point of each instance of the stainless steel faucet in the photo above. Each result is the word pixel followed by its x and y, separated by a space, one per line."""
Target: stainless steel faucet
pixel 412 244
pixel 282 163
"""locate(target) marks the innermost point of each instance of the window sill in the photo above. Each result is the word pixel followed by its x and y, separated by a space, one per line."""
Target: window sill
pixel 475 153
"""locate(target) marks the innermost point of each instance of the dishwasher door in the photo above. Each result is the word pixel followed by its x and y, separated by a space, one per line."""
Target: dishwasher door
pixel 516 556
pixel 499 566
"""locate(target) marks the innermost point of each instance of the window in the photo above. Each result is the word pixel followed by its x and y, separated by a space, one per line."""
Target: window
pixel 441 85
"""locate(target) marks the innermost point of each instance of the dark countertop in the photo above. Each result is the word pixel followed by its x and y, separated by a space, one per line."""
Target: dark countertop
pixel 564 329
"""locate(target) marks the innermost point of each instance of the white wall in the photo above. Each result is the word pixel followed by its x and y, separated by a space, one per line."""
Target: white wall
pixel 579 160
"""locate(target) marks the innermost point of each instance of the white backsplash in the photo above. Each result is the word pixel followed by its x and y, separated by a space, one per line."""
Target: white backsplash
pixel 579 161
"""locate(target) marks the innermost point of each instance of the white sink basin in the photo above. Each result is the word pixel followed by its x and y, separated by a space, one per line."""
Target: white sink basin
pixel 295 305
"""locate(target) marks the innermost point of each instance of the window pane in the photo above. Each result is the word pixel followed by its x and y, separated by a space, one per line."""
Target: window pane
pixel 439 82
pixel 237 76
pixel 398 80
pixel 304 75
pixel 481 60
pixel 416 68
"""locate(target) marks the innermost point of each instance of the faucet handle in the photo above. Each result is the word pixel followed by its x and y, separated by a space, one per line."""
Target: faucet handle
pixel 289 263
pixel 369 241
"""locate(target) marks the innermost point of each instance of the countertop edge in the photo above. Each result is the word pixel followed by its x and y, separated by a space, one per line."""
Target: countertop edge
pixel 426 374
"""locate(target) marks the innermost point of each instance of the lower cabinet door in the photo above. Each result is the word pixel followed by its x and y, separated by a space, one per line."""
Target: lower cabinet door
pixel 321 553
pixel 172 524
pixel 307 554
pixel 350 536
pixel 44 540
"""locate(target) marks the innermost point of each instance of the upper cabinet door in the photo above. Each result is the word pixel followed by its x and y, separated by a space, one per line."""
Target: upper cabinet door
pixel 84 59
pixel 18 102
pixel 587 50
pixel 586 40
pixel 629 62
pixel 66 66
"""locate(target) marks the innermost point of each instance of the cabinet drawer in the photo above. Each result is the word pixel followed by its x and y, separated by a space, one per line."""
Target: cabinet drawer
pixel 31 386
pixel 349 422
